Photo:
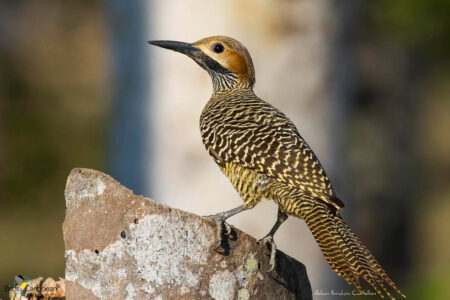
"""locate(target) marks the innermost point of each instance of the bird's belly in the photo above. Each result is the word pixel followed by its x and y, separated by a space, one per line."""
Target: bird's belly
pixel 287 198
pixel 251 186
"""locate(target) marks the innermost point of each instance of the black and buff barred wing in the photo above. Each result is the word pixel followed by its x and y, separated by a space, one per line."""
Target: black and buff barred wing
pixel 257 136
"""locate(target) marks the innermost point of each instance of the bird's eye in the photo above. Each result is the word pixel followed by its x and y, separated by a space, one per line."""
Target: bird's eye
pixel 218 48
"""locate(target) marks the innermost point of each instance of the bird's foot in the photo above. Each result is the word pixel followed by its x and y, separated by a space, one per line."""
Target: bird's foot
pixel 268 240
pixel 219 220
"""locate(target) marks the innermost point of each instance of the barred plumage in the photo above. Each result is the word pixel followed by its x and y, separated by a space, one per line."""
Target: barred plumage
pixel 260 150
pixel 243 129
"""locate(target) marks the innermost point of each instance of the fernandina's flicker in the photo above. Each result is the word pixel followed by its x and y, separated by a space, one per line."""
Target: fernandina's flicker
pixel 260 150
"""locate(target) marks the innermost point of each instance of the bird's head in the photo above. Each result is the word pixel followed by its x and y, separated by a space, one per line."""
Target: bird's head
pixel 225 59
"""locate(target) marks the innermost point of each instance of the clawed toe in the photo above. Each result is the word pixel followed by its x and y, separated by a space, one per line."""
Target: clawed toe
pixel 220 224
pixel 227 228
pixel 268 240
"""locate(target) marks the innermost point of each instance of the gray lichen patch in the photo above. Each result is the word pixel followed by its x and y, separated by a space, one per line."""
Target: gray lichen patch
pixel 153 247
pixel 241 276
pixel 84 188
pixel 155 244
pixel 95 271
pixel 131 293
pixel 222 285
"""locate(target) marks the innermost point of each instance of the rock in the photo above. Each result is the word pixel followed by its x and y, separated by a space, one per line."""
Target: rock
pixel 122 246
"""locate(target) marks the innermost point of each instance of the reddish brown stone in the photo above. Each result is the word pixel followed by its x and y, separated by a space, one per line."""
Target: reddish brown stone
pixel 120 245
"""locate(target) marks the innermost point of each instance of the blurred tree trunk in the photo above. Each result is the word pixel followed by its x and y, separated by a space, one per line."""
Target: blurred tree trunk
pixel 381 153
pixel 130 136
pixel 373 116
pixel 342 103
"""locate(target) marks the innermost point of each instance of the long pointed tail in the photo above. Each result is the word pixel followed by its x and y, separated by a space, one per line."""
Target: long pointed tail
pixel 345 253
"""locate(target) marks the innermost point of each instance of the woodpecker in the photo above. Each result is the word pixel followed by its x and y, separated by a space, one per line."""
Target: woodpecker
pixel 262 153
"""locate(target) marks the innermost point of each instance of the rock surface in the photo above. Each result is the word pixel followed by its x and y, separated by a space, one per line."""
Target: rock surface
pixel 122 246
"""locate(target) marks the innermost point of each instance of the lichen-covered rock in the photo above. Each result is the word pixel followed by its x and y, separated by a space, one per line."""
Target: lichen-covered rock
pixel 123 246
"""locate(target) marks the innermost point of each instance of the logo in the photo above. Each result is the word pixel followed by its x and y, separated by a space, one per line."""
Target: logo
pixel 23 286
pixel 21 283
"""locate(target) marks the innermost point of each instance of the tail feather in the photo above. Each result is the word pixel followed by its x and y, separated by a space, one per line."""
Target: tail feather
pixel 374 264
pixel 327 241
pixel 342 249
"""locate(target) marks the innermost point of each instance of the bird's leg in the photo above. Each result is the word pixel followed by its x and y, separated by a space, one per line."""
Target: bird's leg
pixel 220 218
pixel 268 239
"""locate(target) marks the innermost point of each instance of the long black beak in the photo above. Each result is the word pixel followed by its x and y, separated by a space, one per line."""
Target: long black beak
pixel 181 47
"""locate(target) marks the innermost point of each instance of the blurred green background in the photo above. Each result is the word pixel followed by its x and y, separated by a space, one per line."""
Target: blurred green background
pixel 53 113
pixel 57 112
